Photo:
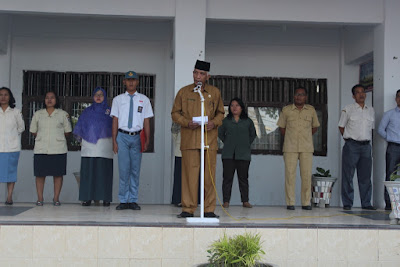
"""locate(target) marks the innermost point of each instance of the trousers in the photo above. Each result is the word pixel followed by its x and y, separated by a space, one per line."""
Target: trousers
pixel 242 169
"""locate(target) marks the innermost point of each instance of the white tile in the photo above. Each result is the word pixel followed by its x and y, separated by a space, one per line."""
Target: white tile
pixel 275 243
pixel 302 244
pixel 81 242
pixel 14 262
pixel 389 245
pixel 146 242
pixel 14 240
pixel 362 245
pixel 78 263
pixel 145 263
pixel 177 243
pixel 332 244
pixel 114 242
pixel 112 262
pixel 352 263
pixel 176 263
pixel 203 238
pixel 48 241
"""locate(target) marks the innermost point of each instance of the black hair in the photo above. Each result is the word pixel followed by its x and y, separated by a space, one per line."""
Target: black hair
pixel 353 90
pixel 243 115
pixel 398 91
pixel 301 88
pixel 11 101
pixel 57 105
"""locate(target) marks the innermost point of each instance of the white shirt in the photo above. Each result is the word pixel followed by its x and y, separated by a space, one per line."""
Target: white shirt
pixel 50 129
pixel 357 122
pixel 141 110
pixel 11 127
pixel 102 149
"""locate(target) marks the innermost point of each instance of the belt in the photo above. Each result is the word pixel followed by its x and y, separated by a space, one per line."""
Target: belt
pixel 393 144
pixel 358 142
pixel 130 133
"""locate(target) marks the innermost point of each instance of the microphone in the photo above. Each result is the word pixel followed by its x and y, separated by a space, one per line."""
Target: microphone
pixel 198 87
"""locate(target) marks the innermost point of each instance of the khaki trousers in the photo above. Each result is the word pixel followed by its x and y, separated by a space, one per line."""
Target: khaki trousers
pixel 291 159
pixel 190 179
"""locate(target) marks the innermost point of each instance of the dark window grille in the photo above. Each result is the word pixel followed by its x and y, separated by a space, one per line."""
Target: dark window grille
pixel 265 97
pixel 74 90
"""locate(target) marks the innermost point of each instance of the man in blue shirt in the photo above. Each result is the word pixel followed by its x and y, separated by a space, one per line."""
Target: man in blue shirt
pixel 389 129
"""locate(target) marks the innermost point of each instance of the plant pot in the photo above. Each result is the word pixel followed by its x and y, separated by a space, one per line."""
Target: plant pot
pixel 393 188
pixel 322 190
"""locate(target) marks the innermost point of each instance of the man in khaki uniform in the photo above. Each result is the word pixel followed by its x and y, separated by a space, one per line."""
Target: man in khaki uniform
pixel 186 106
pixel 298 122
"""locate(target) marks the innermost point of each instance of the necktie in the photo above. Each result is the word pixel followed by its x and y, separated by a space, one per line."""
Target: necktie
pixel 130 112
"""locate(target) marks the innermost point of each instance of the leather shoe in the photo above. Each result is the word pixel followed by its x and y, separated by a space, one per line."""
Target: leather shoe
pixel 290 207
pixel 106 203
pixel 134 206
pixel 369 208
pixel 306 207
pixel 226 205
pixel 247 205
pixel 87 203
pixel 184 214
pixel 210 215
pixel 9 203
pixel 122 206
pixel 346 207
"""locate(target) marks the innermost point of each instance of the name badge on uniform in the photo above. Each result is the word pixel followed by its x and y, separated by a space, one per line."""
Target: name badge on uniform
pixel 140 109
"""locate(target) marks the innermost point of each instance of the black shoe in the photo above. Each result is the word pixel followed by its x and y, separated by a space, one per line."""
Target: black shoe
pixel 134 206
pixel 87 203
pixel 210 215
pixel 388 208
pixel 184 214
pixel 346 207
pixel 122 206
pixel 369 208
pixel 106 204
pixel 306 207
pixel 9 203
pixel 290 207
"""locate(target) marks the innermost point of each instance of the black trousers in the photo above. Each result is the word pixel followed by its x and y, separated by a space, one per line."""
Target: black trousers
pixel 229 168
pixel 392 159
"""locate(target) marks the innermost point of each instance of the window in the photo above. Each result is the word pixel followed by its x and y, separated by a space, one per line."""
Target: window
pixel 74 90
pixel 265 97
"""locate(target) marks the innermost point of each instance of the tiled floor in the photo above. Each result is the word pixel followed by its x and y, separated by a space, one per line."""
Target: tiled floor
pixel 165 215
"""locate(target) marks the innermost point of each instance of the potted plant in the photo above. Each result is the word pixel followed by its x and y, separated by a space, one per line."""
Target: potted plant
pixel 322 184
pixel 393 188
pixel 237 251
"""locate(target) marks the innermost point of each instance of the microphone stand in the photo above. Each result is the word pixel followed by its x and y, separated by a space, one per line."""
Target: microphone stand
pixel 201 219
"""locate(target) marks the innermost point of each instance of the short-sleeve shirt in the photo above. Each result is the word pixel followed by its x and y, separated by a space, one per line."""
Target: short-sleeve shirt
pixel 11 126
pixel 50 129
pixel 141 110
pixel 298 125
pixel 357 122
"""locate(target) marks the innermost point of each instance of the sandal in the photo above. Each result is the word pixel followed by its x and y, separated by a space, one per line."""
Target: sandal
pixel 39 203
pixel 56 203
pixel 9 203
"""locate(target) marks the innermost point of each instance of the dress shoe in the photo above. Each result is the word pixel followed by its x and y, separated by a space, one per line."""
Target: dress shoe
pixel 306 207
pixel 184 214
pixel 247 205
pixel 290 207
pixel 210 215
pixel 106 203
pixel 122 206
pixel 346 207
pixel 9 203
pixel 369 208
pixel 134 206
pixel 226 205
pixel 87 203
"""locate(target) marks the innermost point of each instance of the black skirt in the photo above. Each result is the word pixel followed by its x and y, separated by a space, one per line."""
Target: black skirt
pixel 49 165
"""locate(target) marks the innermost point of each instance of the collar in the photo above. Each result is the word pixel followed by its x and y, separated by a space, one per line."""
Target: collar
pixel 136 92
pixel 358 106
pixel 7 109
pixel 397 109
pixel 304 107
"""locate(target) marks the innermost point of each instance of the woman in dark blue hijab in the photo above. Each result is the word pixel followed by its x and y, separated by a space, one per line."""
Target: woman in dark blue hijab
pixel 93 129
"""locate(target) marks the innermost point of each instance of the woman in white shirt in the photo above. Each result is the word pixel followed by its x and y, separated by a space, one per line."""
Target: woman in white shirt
pixel 12 125
pixel 50 126
pixel 94 131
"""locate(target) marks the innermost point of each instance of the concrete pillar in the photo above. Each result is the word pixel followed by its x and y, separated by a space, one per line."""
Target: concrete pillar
pixel 189 39
pixel 386 83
